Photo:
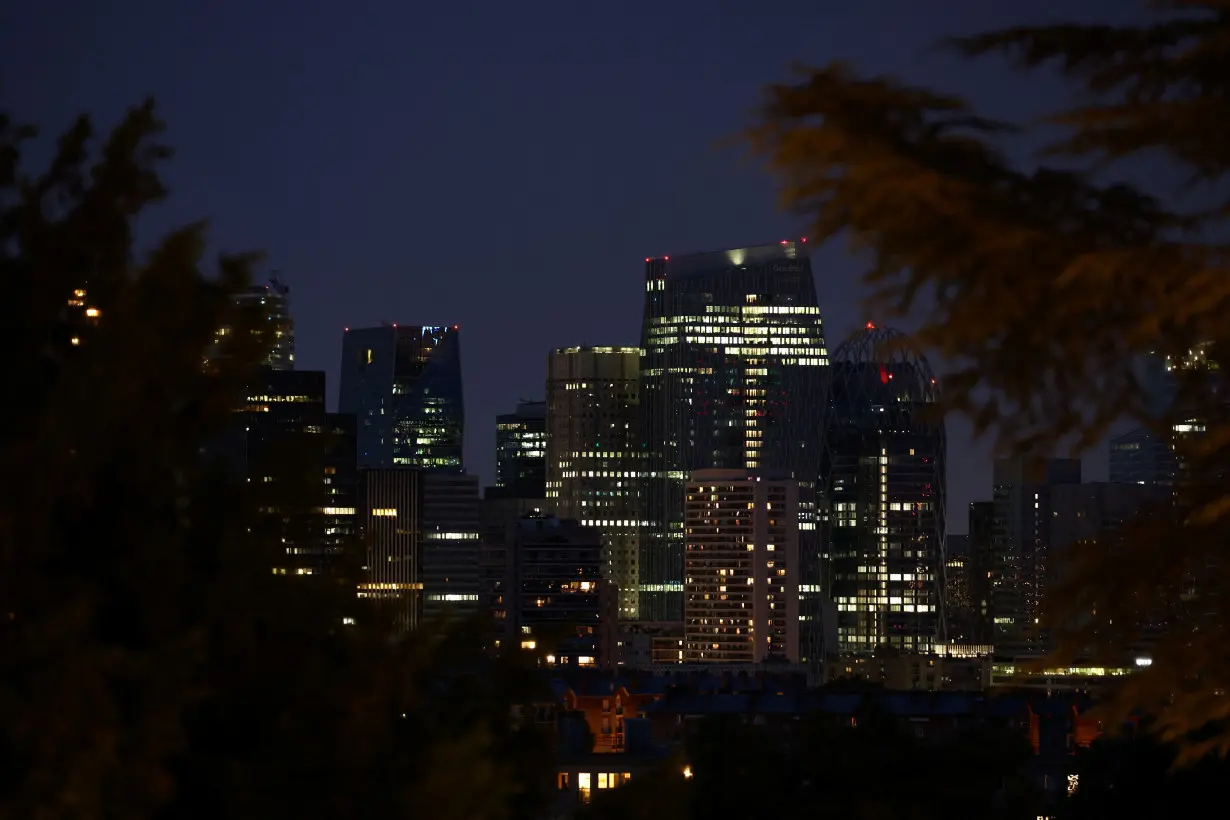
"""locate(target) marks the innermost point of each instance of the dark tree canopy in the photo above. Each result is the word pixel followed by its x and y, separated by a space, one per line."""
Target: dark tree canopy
pixel 1040 284
pixel 151 665
pixel 880 770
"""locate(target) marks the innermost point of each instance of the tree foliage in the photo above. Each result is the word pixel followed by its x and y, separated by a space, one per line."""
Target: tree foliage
pixel 151 665
pixel 877 771
pixel 1135 777
pixel 1039 285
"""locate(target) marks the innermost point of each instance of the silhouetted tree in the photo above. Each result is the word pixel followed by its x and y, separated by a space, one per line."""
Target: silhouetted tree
pixel 1133 777
pixel 151 664
pixel 1039 285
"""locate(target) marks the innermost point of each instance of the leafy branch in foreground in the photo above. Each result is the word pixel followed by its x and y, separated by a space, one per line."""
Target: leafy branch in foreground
pixel 1039 286
pixel 151 664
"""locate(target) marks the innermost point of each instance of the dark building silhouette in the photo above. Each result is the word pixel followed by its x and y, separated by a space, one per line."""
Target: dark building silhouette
pixel 420 529
pixel 342 535
pixel 1022 547
pixel 299 465
pixel 1141 457
pixel 1102 511
pixel 451 544
pixel 521 451
pixel 883 477
pixel 981 572
pixel 732 374
pixel 958 609
pixel 403 385
pixel 551 593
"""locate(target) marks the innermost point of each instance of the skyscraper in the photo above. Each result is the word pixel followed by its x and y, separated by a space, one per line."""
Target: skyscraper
pixel 982 572
pixel 450 552
pixel 403 385
pixel 521 451
pixel 883 484
pixel 422 540
pixel 275 327
pixel 298 461
pixel 957 608
pixel 741 567
pixel 1140 456
pixel 594 454
pixel 732 375
pixel 390 509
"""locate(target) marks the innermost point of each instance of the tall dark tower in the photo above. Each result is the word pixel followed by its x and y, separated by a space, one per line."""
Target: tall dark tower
pixel 403 385
pixel 732 376
pixel 883 484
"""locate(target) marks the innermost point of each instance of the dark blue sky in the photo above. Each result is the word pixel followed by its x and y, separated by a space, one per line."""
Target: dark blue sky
pixel 502 166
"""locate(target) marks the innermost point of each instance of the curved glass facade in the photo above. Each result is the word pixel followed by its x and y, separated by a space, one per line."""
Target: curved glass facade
pixel 732 377
pixel 882 484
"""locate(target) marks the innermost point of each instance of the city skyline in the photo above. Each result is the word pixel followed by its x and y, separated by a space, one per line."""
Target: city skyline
pixel 554 212
pixel 973 461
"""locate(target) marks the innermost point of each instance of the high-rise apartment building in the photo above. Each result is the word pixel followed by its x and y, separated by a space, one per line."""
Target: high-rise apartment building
pixel 882 480
pixel 521 451
pixel 1022 547
pixel 594 453
pixel 741 567
pixel 403 385
pixel 732 375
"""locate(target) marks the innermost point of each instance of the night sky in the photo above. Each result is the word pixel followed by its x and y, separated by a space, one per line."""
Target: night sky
pixel 502 166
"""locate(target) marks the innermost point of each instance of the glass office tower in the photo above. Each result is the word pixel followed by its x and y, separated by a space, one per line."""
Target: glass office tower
pixel 883 488
pixel 521 451
pixel 403 385
pixel 732 377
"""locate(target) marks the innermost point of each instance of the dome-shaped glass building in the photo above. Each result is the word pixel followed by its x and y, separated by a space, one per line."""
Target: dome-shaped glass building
pixel 882 485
